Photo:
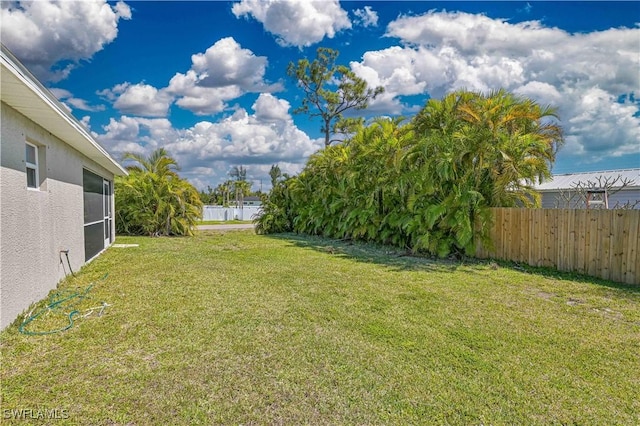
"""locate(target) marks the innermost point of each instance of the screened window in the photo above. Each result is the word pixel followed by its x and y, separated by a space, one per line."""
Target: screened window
pixel 97 213
pixel 93 197
pixel 31 161
pixel 93 240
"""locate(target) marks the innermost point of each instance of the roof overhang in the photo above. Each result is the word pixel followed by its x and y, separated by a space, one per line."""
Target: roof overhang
pixel 24 93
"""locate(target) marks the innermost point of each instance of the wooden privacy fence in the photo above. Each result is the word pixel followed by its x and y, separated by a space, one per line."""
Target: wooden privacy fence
pixel 600 243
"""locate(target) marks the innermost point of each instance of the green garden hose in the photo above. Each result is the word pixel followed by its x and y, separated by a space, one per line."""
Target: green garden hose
pixel 56 300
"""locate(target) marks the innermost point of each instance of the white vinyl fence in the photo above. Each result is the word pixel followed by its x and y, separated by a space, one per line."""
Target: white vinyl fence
pixel 230 213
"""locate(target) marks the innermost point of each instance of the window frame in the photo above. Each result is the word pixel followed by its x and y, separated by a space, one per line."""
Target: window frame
pixel 32 166
pixel 90 182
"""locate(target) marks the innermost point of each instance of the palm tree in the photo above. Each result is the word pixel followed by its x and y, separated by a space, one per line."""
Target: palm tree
pixel 275 173
pixel 478 151
pixel 153 200
pixel 224 189
pixel 239 173
pixel 502 142
pixel 242 188
pixel 159 162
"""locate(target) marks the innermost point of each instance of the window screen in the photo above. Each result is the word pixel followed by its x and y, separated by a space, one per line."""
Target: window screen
pixel 93 197
pixel 93 240
pixel 97 206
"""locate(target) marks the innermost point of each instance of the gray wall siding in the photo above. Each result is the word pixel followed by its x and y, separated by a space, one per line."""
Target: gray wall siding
pixel 36 224
pixel 622 197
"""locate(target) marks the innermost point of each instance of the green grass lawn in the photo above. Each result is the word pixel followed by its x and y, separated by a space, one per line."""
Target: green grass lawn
pixel 234 328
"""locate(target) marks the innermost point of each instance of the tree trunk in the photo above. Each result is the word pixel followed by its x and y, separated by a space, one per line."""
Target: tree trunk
pixel 327 131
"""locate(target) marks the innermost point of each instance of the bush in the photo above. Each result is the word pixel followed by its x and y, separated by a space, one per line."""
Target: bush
pixel 154 200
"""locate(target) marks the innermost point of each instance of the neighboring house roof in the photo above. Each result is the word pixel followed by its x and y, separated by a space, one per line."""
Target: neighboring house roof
pixel 252 198
pixel 569 180
pixel 24 93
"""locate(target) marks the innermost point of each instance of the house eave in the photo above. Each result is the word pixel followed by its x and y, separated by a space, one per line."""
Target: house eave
pixel 24 93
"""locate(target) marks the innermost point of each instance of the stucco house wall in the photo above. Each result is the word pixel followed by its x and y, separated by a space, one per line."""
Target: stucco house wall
pixel 36 224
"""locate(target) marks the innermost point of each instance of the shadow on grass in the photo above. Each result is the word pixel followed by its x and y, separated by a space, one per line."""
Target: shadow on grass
pixel 393 257
pixel 569 276
pixel 401 260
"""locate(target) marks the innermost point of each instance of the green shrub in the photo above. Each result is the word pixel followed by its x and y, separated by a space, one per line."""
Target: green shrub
pixel 154 200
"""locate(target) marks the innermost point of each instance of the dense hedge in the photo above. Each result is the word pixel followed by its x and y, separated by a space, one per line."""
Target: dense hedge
pixel 424 184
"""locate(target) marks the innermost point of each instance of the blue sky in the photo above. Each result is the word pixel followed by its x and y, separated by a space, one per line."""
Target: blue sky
pixel 207 80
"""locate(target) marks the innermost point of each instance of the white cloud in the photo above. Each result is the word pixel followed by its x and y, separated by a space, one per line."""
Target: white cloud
pixel 71 102
pixel 581 74
pixel 268 108
pixel 135 134
pixel 139 99
pixel 598 125
pixel 366 17
pixel 226 63
pixel 200 100
pixel 296 22
pixel 544 93
pixel 43 33
pixel 61 94
pixel 208 150
pixel 397 69
pixel 473 34
pixel 223 72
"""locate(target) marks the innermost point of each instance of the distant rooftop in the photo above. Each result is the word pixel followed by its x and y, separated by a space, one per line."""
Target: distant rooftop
pixel 569 180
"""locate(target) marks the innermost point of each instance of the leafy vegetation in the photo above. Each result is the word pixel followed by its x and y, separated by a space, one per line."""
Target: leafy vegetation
pixel 235 328
pixel 426 184
pixel 275 174
pixel 154 200
pixel 239 186
pixel 277 213
pixel 352 92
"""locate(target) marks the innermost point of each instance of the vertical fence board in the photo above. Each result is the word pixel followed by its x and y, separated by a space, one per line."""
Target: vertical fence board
pixel 561 241
pixel 546 221
pixel 618 241
pixel 593 252
pixel 626 222
pixel 541 237
pixel 571 246
pixel 553 242
pixel 582 235
pixel 601 243
pixel 525 245
pixel 533 237
pixel 633 256
pixel 544 238
pixel 514 243
pixel 506 230
pixel 604 228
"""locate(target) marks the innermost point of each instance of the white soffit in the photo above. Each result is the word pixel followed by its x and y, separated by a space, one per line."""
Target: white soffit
pixel 24 93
